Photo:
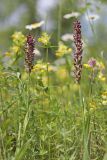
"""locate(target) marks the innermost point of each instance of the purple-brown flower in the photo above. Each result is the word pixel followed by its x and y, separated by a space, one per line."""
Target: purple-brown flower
pixel 78 51
pixel 92 62
pixel 29 51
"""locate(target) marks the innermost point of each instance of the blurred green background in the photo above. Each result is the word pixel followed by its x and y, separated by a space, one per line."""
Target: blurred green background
pixel 16 14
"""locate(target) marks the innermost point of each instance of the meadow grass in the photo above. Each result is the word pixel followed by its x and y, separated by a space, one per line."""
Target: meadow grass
pixel 45 115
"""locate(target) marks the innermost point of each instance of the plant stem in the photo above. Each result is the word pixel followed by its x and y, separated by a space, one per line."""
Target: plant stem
pixel 59 20
pixel 47 57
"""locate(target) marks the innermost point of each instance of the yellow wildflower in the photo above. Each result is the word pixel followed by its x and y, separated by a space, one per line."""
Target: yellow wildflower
pixel 104 95
pixel 101 77
pixel 18 38
pixel 104 98
pixel 15 49
pixel 40 67
pixel 18 35
pixel 100 65
pixel 86 65
pixel 45 38
pixel 62 50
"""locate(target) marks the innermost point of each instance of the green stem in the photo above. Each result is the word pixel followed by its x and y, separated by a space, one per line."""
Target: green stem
pixel 28 91
pixel 86 125
pixel 91 84
pixel 59 20
pixel 47 57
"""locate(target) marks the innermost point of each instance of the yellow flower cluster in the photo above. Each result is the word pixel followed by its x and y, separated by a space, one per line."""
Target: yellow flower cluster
pixel 62 50
pixel 100 67
pixel 86 66
pixel 101 76
pixel 15 49
pixel 104 98
pixel 91 63
pixel 44 39
pixel 40 67
pixel 104 95
pixel 18 41
pixel 18 38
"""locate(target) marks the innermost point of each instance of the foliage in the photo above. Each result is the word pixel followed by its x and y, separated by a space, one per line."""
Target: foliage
pixel 44 114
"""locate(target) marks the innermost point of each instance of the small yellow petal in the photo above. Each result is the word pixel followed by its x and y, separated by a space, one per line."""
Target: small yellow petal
pixel 15 49
pixel 86 65
pixel 44 39
pixel 63 50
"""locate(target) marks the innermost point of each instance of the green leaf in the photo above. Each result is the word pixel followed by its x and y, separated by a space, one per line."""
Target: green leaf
pixel 21 153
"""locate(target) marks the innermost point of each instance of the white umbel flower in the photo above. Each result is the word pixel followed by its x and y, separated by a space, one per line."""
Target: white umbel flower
pixel 92 17
pixel 34 25
pixel 72 14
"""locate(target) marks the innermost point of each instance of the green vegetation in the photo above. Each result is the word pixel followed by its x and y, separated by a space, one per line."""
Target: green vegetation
pixel 48 112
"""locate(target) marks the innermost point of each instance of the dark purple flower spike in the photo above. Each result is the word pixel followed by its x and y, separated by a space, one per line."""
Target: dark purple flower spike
pixel 78 51
pixel 29 51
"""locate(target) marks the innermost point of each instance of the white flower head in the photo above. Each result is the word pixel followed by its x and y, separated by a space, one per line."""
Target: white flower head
pixel 92 17
pixel 72 14
pixel 67 37
pixel 34 25
pixel 37 52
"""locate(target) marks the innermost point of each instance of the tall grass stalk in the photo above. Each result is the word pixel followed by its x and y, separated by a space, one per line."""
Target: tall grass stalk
pixel 86 126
